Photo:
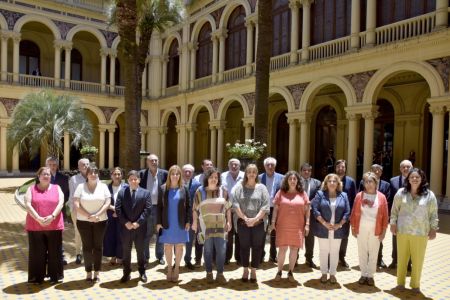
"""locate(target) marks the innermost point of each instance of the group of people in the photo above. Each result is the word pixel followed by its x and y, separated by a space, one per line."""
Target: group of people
pixel 214 212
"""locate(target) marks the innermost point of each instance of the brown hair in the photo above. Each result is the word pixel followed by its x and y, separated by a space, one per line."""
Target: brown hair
pixel 285 182
pixel 174 169
pixel 248 168
pixel 39 172
pixel 324 186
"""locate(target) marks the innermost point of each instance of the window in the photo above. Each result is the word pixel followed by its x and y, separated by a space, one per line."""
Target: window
pixel 173 64
pixel 76 65
pixel 391 11
pixel 236 43
pixel 330 20
pixel 29 56
pixel 204 52
pixel 281 27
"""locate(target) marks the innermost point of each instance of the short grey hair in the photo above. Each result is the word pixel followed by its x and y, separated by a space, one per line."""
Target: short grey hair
pixel 234 160
pixel 188 167
pixel 52 158
pixel 269 160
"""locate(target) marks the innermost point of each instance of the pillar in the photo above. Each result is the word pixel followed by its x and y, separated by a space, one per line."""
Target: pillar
pixel 191 131
pixel 4 57
pixel 371 22
pixel 292 142
pixel 215 58
pixel 164 60
pixel 222 37
pixel 353 120
pixel 220 147
pixel 447 194
pixel 441 14
pixel 101 148
pixel 67 49
pixel 306 27
pixel 57 71
pixel 112 71
pixel 249 58
pixel 369 118
pixel 305 124
pixel 248 131
pixel 66 151
pixel 193 49
pixel 355 24
pixel 103 54
pixel 213 143
pixel 3 150
pixel 16 46
pixel 437 146
pixel 111 147
pixel 293 5
pixel 15 160
pixel 163 132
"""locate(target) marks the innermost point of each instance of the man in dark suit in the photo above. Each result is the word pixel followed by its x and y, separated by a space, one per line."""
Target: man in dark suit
pixel 272 180
pixel 151 179
pixel 133 206
pixel 385 188
pixel 396 183
pixel 63 182
pixel 348 186
pixel 311 187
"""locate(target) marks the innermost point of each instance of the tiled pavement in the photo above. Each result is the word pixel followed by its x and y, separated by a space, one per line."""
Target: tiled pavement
pixel 14 253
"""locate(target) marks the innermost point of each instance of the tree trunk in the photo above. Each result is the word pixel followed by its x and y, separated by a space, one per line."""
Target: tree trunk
pixel 263 53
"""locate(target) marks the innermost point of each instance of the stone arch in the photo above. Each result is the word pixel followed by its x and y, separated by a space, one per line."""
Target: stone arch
pixel 165 116
pixel 222 111
pixel 424 69
pixel 284 92
pixel 119 111
pixel 3 112
pixel 394 99
pixel 321 103
pixel 197 107
pixel 168 42
pixel 3 23
pixel 97 112
pixel 314 87
pixel 100 37
pixel 34 18
pixel 199 24
pixel 229 9
pixel 115 43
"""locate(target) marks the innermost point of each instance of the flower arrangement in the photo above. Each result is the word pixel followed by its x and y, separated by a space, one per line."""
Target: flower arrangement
pixel 88 150
pixel 249 150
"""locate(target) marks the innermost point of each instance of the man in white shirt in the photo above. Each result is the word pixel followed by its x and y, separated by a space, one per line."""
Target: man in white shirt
pixel 229 179
pixel 74 181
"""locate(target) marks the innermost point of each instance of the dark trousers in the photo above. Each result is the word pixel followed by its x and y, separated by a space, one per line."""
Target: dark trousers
pixel 273 237
pixel 344 243
pixel 188 253
pixel 394 249
pixel 128 237
pixel 45 256
pixel 309 246
pixel 151 226
pixel 199 251
pixel 237 255
pixel 92 235
pixel 250 240
pixel 380 254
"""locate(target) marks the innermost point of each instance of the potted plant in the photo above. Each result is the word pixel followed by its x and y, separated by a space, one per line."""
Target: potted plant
pixel 248 152
pixel 89 152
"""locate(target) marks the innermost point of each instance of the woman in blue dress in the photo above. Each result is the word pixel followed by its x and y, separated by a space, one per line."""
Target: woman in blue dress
pixel 174 219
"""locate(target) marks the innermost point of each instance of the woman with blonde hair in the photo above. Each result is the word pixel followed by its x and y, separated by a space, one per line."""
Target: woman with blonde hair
pixel 174 219
pixel 331 210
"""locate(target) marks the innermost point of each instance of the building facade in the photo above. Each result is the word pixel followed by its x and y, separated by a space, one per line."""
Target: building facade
pixel 363 80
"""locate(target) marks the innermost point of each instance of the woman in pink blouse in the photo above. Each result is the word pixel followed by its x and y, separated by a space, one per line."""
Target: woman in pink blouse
pixel 44 224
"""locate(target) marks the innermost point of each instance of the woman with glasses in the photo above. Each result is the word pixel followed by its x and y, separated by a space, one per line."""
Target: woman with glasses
pixel 331 209
pixel 91 200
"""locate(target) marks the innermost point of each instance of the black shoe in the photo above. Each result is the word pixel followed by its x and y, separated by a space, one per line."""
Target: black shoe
pixel 197 264
pixel 343 263
pixel 78 259
pixel 311 264
pixel 161 261
pixel 381 264
pixel 227 262
pixel 143 277
pixel 189 266
pixel 393 265
pixel 126 277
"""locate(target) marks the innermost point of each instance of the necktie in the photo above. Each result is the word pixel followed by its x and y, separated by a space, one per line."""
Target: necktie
pixel 307 187
pixel 133 196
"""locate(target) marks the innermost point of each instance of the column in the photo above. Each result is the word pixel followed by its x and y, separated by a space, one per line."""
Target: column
pixel 213 143
pixel 111 147
pixel 292 142
pixel 294 6
pixel 215 57
pixel 184 64
pixel 15 160
pixel 57 72
pixel 163 132
pixel 154 141
pixel 306 27
pixel 441 14
pixel 220 147
pixel 103 54
pixel 182 156
pixel 144 81
pixel 164 60
pixel 353 120
pixel 4 58
pixel 112 71
pixel 248 131
pixel 369 118
pixel 305 123
pixel 447 194
pixel 101 148
pixel 249 59
pixel 223 35
pixel 437 146
pixel 16 46
pixel 191 129
pixel 67 50
pixel 143 132
pixel 371 22
pixel 193 49
pixel 66 151
pixel 355 25
pixel 3 150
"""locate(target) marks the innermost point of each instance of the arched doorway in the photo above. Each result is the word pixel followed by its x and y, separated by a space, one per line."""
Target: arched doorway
pixel 281 147
pixel 202 139
pixel 234 129
pixel 325 141
pixel 384 138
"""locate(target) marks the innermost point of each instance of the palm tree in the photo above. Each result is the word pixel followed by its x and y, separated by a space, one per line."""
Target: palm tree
pixel 41 119
pixel 262 73
pixel 136 20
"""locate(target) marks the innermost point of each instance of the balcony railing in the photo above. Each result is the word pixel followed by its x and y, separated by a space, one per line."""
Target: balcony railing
pixel 83 86
pixel 119 90
pixel 202 82
pixel 37 81
pixel 97 5
pixel 234 74
pixel 329 49
pixel 280 61
pixel 173 90
pixel 405 29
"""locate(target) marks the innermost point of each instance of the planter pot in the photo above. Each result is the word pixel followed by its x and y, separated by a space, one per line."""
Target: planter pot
pixel 90 156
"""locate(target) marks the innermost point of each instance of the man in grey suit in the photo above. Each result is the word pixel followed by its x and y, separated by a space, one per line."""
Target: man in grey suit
pixel 133 206
pixel 311 187
pixel 151 179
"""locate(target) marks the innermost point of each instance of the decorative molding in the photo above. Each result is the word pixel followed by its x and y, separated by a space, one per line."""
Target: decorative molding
pixel 442 66
pixel 217 14
pixel 189 108
pixel 11 17
pixel 63 27
pixel 252 5
pixel 10 104
pixel 109 36
pixel 296 91
pixel 250 98
pixel 179 111
pixel 107 111
pixel 215 103
pixel 359 82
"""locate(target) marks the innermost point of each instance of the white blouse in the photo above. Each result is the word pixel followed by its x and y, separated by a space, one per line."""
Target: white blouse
pixel 92 202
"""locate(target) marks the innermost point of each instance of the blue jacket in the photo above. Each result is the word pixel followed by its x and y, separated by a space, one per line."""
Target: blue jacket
pixel 278 179
pixel 349 187
pixel 321 207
